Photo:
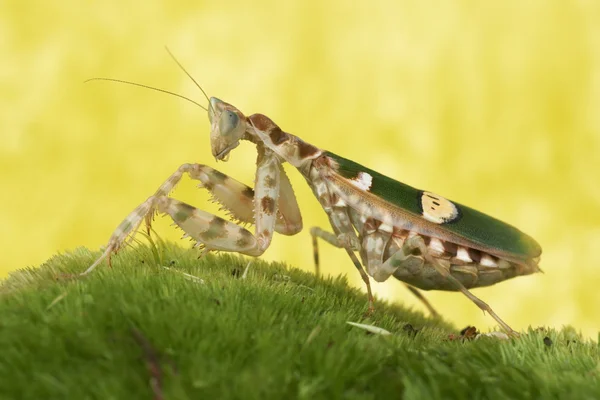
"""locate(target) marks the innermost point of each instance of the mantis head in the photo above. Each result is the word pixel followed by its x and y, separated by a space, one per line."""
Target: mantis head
pixel 228 125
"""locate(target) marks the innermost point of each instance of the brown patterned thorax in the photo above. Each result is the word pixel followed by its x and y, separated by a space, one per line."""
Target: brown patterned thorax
pixel 306 149
pixel 266 125
pixel 261 122
pixel 277 135
pixel 266 134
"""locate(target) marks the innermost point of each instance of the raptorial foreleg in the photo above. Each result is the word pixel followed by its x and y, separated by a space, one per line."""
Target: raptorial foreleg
pixel 258 206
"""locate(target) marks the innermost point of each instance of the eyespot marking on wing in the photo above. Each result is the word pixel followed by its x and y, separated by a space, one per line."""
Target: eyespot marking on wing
pixel 438 209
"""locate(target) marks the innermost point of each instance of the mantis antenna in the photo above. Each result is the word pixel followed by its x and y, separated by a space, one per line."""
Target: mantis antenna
pixel 147 87
pixel 191 77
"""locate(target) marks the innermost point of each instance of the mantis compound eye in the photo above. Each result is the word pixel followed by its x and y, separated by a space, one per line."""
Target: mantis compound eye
pixel 228 122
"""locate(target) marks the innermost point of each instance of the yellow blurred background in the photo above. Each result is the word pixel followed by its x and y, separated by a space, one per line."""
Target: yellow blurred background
pixel 492 104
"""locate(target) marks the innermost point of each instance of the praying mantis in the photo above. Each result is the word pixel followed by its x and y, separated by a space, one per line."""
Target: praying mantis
pixel 386 227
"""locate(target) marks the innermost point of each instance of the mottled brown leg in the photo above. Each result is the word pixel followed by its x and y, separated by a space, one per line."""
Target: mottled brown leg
pixel 480 303
pixel 258 206
pixel 443 268
pixel 332 239
pixel 318 233
pixel 372 254
pixel 365 279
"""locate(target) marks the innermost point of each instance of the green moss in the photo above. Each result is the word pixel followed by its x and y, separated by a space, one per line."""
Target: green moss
pixel 279 333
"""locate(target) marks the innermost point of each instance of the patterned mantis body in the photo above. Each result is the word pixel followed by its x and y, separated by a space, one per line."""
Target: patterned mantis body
pixel 420 238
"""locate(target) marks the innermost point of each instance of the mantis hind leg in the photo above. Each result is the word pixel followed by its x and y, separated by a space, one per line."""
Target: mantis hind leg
pixel 347 245
pixel 417 244
pixel 329 237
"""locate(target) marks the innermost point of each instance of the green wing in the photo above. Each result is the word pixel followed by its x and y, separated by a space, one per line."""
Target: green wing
pixel 463 221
